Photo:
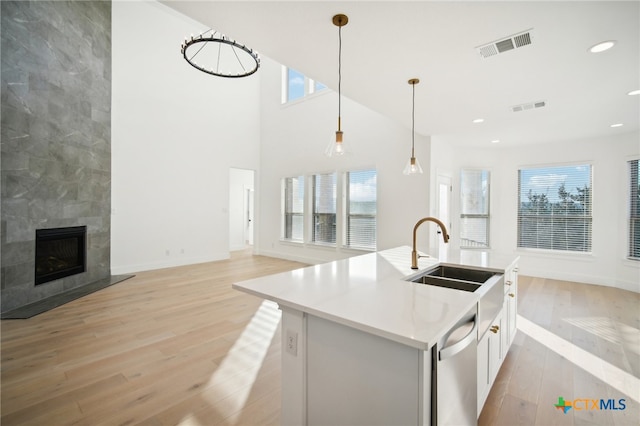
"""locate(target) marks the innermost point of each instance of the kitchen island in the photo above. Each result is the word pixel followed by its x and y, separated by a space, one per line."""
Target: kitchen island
pixel 358 336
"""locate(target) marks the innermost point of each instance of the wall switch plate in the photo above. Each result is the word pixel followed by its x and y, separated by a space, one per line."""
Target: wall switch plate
pixel 292 342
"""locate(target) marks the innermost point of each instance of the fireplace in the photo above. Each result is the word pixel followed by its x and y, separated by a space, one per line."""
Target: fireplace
pixel 60 252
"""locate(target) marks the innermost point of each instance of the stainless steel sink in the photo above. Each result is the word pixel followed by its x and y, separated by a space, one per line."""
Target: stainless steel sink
pixel 488 285
pixel 462 274
pixel 453 277
pixel 446 282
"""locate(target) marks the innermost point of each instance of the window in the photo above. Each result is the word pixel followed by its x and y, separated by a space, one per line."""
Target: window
pixel 296 85
pixel 315 86
pixel 474 209
pixel 293 226
pixel 361 207
pixel 634 210
pixel 324 208
pixel 337 209
pixel 554 208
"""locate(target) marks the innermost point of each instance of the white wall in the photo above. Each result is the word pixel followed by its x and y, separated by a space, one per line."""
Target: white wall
pixel 175 133
pixel 294 138
pixel 607 264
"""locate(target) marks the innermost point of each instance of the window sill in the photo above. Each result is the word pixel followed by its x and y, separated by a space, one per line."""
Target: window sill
pixel 292 242
pixel 326 246
pixel 357 249
pixel 557 254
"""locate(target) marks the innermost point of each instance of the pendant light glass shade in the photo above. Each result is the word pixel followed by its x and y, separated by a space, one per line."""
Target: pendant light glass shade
pixel 337 148
pixel 413 165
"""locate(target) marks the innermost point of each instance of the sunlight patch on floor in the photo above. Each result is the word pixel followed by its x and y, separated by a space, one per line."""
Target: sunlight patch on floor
pixel 231 383
pixel 608 373
pixel 608 329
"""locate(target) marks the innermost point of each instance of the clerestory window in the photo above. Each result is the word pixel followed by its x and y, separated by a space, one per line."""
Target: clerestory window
pixel 296 85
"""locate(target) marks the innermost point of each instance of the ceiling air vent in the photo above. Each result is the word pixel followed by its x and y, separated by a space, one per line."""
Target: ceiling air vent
pixel 504 45
pixel 528 106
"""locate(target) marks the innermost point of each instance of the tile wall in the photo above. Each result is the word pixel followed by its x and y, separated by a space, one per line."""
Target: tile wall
pixel 56 137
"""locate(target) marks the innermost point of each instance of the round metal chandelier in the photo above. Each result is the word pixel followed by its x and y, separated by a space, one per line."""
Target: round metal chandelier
pixel 218 55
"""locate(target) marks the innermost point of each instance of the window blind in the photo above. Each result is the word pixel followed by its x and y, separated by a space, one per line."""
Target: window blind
pixel 294 208
pixel 474 209
pixel 361 209
pixel 634 210
pixel 324 208
pixel 555 208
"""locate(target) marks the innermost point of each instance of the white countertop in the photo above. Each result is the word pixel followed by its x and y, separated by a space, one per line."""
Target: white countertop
pixel 370 293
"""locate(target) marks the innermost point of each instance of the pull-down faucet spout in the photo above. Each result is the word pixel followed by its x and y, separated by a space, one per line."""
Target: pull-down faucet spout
pixel 414 252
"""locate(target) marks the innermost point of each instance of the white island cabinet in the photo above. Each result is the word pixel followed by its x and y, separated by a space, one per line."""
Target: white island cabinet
pixel 357 337
pixel 495 343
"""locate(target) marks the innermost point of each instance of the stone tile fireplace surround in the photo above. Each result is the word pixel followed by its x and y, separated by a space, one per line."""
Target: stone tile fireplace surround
pixel 56 139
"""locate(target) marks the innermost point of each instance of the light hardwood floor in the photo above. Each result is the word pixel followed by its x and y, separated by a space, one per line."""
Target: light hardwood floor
pixel 179 346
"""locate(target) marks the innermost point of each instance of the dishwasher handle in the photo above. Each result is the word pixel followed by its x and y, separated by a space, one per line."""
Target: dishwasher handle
pixel 457 347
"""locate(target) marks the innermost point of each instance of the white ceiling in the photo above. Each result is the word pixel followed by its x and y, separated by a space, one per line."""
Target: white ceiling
pixel 388 42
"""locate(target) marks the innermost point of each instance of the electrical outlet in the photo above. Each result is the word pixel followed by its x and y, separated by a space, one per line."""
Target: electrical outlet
pixel 292 342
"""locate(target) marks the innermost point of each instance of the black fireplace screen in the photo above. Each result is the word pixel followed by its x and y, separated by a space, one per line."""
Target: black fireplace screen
pixel 60 252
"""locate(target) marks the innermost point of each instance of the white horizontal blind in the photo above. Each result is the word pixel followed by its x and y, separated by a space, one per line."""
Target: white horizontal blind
pixel 361 209
pixel 634 210
pixel 474 209
pixel 554 208
pixel 324 208
pixel 293 208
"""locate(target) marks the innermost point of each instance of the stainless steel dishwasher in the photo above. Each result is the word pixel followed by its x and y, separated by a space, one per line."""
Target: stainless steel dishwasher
pixel 454 379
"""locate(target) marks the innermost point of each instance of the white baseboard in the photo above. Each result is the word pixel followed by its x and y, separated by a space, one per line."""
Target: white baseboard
pixel 280 255
pixel 169 263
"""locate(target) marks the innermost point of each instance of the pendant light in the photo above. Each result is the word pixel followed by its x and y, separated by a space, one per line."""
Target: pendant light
pixel 216 54
pixel 413 165
pixel 337 148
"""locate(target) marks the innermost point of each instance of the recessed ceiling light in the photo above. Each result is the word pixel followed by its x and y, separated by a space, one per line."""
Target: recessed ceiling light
pixel 601 47
pixel 495 141
pixel 634 92
pixel 617 125
pixel 478 120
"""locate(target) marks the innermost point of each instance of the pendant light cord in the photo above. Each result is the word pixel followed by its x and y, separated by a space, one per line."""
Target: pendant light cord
pixel 339 73
pixel 413 120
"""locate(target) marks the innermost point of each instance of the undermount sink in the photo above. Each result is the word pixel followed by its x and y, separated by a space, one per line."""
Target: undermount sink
pixel 456 278
pixel 487 284
pixel 463 274
pixel 446 282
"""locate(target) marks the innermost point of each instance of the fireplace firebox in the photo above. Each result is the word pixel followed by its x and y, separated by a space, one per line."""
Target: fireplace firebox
pixel 60 252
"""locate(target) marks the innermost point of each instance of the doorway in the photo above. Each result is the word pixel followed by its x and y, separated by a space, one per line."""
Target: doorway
pixel 241 209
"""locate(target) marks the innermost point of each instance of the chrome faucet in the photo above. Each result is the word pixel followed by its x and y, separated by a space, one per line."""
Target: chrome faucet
pixel 414 252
